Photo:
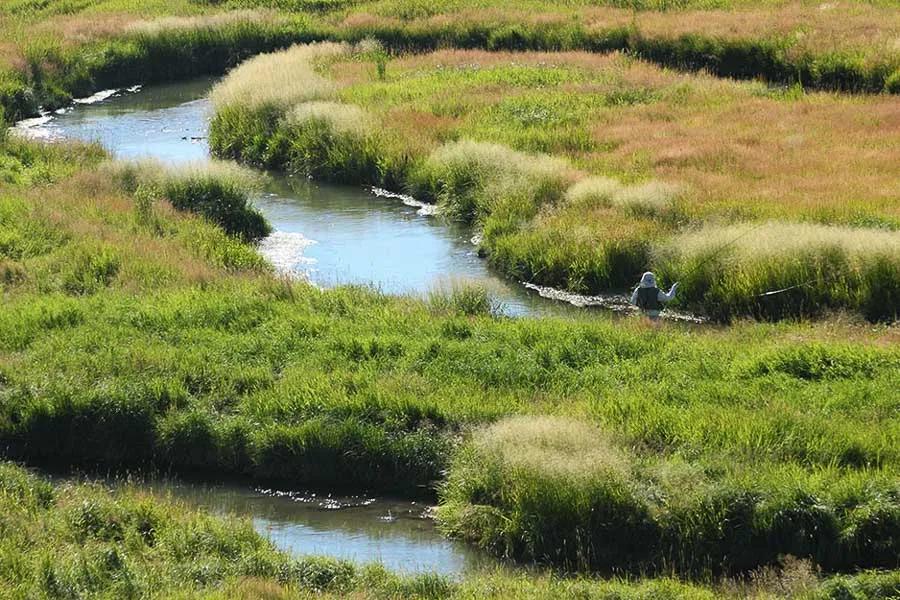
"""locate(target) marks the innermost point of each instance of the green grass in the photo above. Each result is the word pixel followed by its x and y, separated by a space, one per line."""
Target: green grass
pixel 123 344
pixel 513 144
pixel 218 191
pixel 133 334
pixel 82 540
pixel 59 49
pixel 558 491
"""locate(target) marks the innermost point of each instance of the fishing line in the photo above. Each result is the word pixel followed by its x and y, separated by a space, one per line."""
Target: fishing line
pixel 787 289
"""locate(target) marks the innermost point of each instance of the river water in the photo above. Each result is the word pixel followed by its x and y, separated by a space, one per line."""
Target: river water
pixel 328 234
pixel 396 533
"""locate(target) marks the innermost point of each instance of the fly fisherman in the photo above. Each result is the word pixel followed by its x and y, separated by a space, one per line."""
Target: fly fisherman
pixel 649 298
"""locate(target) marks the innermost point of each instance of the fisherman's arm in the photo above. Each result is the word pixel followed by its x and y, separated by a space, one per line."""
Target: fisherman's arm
pixel 634 296
pixel 668 297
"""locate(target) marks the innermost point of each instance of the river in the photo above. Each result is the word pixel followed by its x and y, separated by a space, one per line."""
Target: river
pixel 327 234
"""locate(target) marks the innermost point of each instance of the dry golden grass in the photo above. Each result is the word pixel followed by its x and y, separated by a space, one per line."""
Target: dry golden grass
pixel 281 79
pixel 342 118
pixel 810 26
pixel 553 446
pixel 822 153
pixel 78 28
pixel 815 27
pixel 214 21
pixel 734 148
pixel 767 241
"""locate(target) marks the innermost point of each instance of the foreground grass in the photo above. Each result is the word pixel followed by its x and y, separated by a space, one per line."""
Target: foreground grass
pixel 582 171
pixel 135 335
pixel 81 540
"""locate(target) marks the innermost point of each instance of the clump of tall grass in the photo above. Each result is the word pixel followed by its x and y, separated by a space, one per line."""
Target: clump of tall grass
pixel 219 191
pixel 471 180
pixel 341 118
pixel 651 199
pixel 557 490
pixel 297 127
pixel 549 489
pixel 464 297
pixel 279 80
pixel 731 269
pixel 332 141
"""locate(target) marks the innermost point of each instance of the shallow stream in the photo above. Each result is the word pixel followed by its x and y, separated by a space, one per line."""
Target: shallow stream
pixel 329 234
pixel 396 533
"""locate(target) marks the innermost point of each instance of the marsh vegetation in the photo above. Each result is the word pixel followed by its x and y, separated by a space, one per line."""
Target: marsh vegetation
pixel 582 172
pixel 140 328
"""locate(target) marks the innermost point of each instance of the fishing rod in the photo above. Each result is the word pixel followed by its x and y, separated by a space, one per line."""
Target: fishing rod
pixel 720 249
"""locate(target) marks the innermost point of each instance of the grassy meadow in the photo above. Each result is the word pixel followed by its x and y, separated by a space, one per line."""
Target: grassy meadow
pixel 53 50
pixel 134 334
pixel 583 170
pixel 585 142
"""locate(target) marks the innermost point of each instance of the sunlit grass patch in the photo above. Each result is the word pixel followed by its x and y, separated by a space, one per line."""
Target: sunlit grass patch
pixel 742 268
pixel 279 80
pixel 474 180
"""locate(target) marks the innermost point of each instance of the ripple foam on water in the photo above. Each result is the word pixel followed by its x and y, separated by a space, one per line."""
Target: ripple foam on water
pixel 285 250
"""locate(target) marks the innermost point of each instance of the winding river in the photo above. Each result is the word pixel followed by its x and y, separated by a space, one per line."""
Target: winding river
pixel 328 234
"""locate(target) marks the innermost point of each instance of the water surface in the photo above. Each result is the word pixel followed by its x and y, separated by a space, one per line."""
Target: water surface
pixel 396 533
pixel 327 233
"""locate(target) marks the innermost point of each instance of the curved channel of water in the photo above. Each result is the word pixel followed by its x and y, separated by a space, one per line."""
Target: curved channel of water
pixel 330 235
pixel 327 233
pixel 396 533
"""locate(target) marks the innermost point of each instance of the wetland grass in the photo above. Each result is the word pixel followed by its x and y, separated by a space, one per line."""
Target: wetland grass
pixel 175 360
pixel 564 492
pixel 79 538
pixel 551 219
pixel 133 334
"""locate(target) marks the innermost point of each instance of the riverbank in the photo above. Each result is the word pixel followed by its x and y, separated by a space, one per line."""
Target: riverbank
pixel 55 52
pixel 581 172
pixel 80 539
pixel 135 335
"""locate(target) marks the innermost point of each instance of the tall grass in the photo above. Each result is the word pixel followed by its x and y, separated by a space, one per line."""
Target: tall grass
pixel 733 270
pixel 560 491
pixel 125 341
pixel 82 539
pixel 252 84
pixel 56 54
pixel 219 191
pixel 464 297
pixel 472 180
pixel 542 217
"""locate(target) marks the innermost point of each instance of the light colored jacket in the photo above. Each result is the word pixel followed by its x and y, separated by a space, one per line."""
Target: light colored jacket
pixel 648 280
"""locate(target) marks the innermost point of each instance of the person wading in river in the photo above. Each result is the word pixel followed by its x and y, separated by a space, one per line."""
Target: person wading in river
pixel 649 298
